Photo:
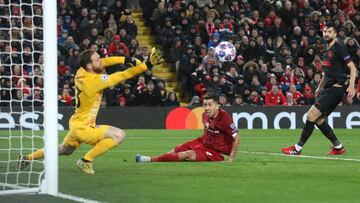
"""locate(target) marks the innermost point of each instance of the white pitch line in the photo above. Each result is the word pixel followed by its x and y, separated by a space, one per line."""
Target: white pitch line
pixel 75 198
pixel 34 191
pixel 301 156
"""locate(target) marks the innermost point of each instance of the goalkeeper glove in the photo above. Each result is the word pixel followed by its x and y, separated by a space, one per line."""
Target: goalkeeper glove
pixel 155 57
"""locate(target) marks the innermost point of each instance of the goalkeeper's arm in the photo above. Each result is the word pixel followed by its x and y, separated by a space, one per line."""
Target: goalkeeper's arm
pixel 103 81
pixel 154 59
pixel 114 60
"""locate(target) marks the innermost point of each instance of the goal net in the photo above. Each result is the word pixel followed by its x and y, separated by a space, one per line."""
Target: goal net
pixel 26 79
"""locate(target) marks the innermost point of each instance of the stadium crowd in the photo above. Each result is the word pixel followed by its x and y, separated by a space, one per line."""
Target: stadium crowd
pixel 105 26
pixel 278 44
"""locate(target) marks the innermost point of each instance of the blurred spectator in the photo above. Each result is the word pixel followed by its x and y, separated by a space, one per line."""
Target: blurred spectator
pixel 295 95
pixel 272 82
pixel 91 21
pixel 238 101
pixel 129 26
pixel 150 96
pixel 254 99
pixel 65 98
pixel 287 79
pixel 172 100
pixel 116 46
pixel 122 101
pixel 36 98
pixel 223 100
pixel 309 97
pixel 274 97
pixel 187 66
pixel 128 95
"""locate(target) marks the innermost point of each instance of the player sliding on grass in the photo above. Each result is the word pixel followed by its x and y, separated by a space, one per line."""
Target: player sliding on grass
pixel 90 81
pixel 220 137
pixel 333 86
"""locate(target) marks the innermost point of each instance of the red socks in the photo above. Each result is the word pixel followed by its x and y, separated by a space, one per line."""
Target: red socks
pixel 166 158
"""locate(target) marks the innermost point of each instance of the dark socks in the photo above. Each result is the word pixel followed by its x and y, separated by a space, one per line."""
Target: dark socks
pixel 306 132
pixel 329 133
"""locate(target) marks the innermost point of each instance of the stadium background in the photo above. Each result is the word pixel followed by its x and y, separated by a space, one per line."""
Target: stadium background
pixel 272 38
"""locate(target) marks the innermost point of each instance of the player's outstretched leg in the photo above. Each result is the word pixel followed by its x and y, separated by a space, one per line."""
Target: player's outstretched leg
pixel 312 116
pixel 24 161
pixel 189 155
pixel 328 132
pixel 113 137
pixel 168 157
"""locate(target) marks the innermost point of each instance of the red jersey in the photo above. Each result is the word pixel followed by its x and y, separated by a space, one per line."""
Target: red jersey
pixel 113 48
pixel 273 100
pixel 297 95
pixel 288 80
pixel 219 132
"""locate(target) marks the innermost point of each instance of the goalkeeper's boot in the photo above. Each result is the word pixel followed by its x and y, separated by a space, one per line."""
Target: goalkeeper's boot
pixel 23 162
pixel 86 167
pixel 156 56
pixel 335 151
pixel 290 151
pixel 141 158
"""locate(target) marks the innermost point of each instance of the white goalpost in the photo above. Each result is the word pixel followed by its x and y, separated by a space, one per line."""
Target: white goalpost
pixel 28 106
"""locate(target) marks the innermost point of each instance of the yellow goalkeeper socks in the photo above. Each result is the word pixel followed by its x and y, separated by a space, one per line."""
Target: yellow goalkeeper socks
pixel 38 154
pixel 100 148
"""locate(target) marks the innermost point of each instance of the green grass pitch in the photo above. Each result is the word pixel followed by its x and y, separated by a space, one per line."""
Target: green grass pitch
pixel 259 174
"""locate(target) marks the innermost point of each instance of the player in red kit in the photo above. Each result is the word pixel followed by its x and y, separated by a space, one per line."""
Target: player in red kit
pixel 220 137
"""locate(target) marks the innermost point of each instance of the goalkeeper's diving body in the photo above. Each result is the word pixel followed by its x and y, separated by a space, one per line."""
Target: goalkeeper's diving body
pixel 90 81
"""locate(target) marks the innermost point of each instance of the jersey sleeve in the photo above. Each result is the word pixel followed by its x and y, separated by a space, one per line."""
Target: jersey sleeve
pixel 110 61
pixel 228 125
pixel 343 54
pixel 103 81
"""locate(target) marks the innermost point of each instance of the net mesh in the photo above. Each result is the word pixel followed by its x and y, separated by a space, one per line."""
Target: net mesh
pixel 21 101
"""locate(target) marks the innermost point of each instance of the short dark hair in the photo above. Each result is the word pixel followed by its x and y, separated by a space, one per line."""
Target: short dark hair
pixel 85 57
pixel 330 25
pixel 211 95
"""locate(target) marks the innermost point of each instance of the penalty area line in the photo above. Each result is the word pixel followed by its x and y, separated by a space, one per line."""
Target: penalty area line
pixel 301 156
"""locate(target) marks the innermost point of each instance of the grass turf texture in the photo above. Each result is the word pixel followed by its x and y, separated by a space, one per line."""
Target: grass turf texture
pixel 252 178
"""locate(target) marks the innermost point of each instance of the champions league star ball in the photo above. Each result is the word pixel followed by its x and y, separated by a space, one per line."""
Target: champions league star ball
pixel 225 51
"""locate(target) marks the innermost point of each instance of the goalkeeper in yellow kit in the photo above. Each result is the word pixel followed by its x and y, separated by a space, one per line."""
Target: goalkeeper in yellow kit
pixel 90 81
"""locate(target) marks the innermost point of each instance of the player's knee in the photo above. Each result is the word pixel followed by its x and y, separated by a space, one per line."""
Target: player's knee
pixel 311 116
pixel 65 150
pixel 188 155
pixel 119 136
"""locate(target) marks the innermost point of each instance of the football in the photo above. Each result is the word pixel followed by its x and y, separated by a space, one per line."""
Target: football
pixel 225 51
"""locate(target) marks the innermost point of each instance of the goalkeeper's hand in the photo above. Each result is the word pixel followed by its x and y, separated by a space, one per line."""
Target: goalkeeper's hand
pixel 155 56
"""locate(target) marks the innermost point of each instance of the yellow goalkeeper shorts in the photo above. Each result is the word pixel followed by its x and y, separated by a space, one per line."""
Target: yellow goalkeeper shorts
pixel 79 133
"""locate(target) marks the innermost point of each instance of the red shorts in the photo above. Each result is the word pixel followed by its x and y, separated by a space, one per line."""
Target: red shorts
pixel 202 153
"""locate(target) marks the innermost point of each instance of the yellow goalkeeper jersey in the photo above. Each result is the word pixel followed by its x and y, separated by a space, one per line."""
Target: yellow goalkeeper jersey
pixel 90 86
